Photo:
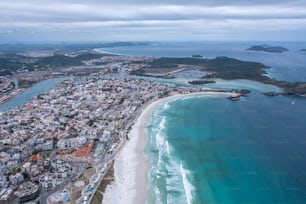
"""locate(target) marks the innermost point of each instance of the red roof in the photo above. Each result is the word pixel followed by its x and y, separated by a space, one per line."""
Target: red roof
pixel 35 157
pixel 84 150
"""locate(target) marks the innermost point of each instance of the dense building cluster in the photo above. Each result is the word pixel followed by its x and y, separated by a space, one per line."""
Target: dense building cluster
pixel 12 84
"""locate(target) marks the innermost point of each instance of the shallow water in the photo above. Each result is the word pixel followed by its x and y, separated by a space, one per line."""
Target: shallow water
pixel 212 150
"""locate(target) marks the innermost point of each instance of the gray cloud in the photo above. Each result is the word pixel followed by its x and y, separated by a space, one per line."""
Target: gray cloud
pixel 172 19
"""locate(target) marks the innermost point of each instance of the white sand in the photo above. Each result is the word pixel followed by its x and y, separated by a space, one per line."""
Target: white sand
pixel 132 164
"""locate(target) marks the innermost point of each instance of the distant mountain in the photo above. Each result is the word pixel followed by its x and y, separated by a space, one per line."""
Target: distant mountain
pixel 304 50
pixel 266 48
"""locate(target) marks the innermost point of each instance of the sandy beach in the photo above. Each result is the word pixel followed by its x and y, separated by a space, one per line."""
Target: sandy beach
pixel 131 161
pixel 132 164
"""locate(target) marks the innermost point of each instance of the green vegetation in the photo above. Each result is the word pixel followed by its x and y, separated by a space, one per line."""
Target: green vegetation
pixel 25 83
pixel 224 68
pixel 11 63
pixel 220 67
pixel 289 88
pixel 58 61
pixel 200 82
pixel 166 62
pixel 229 68
pixel 89 56
pixel 8 66
pixel 5 72
pixel 12 57
pixel 265 48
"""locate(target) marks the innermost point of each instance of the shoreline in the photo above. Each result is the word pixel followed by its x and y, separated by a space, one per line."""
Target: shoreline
pixel 100 51
pixel 132 161
pixel 131 164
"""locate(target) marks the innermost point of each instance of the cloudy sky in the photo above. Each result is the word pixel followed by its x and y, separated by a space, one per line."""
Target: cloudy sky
pixel 123 20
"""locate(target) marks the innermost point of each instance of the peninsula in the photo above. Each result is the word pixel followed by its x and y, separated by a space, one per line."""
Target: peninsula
pixel 222 68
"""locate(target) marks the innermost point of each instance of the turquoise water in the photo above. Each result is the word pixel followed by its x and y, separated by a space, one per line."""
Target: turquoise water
pixel 212 150
pixel 290 65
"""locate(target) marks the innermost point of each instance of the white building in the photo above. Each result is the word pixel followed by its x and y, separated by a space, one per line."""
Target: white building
pixel 71 143
pixel 48 181
pixel 47 145
pixel 3 182
pixel 26 167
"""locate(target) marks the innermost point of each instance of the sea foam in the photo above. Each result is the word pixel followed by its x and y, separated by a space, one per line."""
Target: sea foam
pixel 168 148
pixel 188 188
pixel 162 123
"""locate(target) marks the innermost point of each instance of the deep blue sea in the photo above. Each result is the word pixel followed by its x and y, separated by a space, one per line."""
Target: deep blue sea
pixel 207 149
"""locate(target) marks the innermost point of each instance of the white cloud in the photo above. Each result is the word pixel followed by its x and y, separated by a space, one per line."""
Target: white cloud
pixel 173 20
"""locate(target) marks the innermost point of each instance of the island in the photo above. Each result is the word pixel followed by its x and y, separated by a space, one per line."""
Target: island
pixel 267 48
pixel 200 82
pixel 303 50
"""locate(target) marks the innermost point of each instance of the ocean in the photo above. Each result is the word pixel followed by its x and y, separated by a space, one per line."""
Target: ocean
pixel 207 149
pixel 211 150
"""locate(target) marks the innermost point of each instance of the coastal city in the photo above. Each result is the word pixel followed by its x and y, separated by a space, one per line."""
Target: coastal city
pixel 152 102
pixel 57 147
pixel 60 146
